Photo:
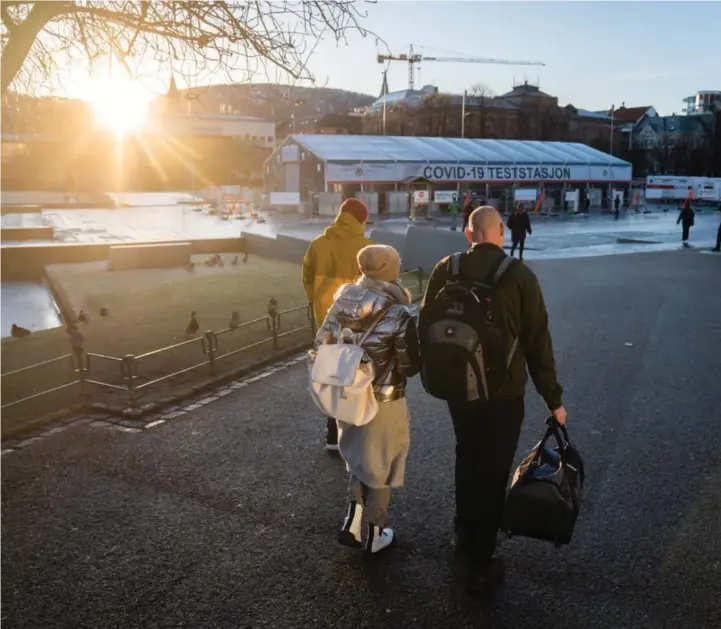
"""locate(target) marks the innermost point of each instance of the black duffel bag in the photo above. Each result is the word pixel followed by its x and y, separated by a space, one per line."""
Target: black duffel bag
pixel 545 494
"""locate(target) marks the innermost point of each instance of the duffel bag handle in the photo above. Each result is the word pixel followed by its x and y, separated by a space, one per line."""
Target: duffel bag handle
pixel 553 423
pixel 561 438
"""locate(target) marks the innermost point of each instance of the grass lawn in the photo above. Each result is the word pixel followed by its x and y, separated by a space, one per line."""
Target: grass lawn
pixel 150 309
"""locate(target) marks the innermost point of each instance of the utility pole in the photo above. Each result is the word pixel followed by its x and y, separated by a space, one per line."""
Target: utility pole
pixel 613 109
pixel 463 115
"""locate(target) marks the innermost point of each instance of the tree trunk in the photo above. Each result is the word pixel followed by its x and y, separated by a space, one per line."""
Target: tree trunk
pixel 21 39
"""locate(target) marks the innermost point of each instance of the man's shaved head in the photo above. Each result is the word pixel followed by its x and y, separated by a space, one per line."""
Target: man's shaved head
pixel 486 225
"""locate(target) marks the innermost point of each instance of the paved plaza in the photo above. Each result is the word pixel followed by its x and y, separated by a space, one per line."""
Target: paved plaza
pixel 226 516
pixel 169 217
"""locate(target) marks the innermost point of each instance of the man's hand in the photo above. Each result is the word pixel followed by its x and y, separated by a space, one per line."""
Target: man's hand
pixel 560 415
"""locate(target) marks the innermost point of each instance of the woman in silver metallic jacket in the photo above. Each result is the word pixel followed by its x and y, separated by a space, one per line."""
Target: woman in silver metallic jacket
pixel 375 454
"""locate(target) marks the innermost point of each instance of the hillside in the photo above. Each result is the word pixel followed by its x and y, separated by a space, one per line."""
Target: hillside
pixel 272 101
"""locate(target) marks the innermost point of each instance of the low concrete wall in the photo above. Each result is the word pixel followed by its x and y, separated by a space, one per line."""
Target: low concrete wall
pixel 155 256
pixel 56 199
pixel 380 236
pixel 19 234
pixel 21 209
pixel 28 262
pixel 425 246
pixel 421 246
pixel 278 247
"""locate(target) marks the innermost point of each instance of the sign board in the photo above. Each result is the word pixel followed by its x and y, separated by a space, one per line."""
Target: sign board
pixel 420 197
pixel 445 196
pixel 525 194
pixel 382 173
pixel 285 198
pixel 571 195
pixel 709 190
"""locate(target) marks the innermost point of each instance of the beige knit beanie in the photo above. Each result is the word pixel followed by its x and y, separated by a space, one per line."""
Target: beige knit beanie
pixel 380 262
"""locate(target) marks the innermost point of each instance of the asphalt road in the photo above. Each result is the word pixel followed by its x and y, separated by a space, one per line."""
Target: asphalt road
pixel 227 516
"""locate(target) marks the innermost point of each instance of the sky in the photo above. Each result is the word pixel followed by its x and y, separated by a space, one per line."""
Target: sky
pixel 596 54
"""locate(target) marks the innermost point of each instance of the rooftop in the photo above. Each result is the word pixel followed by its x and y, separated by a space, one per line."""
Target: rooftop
pixel 379 148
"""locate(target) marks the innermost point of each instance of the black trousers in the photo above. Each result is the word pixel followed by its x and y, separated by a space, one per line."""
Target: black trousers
pixel 684 233
pixel 718 238
pixel 486 439
pixel 520 243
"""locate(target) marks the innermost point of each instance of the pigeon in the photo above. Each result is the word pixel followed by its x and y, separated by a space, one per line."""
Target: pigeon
pixel 19 332
pixel 235 261
pixel 82 316
pixel 245 258
pixel 104 312
pixel 190 267
pixel 234 320
pixel 193 325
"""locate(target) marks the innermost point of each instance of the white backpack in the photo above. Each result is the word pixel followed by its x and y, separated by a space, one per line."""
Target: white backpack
pixel 341 379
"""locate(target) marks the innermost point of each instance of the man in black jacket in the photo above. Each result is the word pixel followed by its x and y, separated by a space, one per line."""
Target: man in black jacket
pixel 687 218
pixel 487 431
pixel 520 224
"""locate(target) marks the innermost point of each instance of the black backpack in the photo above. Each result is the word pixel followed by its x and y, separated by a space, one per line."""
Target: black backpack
pixel 465 346
pixel 545 495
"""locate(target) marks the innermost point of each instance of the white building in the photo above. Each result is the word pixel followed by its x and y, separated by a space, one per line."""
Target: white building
pixel 702 102
pixel 256 131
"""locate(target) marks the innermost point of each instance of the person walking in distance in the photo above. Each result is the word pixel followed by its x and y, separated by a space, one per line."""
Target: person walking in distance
pixel 616 206
pixel 329 263
pixel 718 239
pixel 453 209
pixel 482 322
pixel 687 219
pixel 375 312
pixel 520 224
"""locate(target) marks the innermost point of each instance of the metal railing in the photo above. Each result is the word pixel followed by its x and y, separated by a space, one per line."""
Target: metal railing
pixel 85 367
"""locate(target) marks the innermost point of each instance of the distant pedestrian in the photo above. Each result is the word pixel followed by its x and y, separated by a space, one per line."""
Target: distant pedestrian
pixel 718 239
pixel 329 263
pixel 616 206
pixel 687 220
pixel 453 208
pixel 520 224
pixel 587 205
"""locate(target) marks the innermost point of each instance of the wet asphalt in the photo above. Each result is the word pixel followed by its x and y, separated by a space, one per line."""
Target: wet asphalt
pixel 227 516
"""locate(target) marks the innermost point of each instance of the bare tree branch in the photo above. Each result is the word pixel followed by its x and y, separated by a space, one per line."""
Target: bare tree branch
pixel 203 38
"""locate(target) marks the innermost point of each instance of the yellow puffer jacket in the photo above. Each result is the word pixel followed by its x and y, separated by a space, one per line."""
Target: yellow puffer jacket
pixel 331 262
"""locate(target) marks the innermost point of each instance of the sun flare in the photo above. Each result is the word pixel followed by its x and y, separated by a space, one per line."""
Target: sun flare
pixel 119 106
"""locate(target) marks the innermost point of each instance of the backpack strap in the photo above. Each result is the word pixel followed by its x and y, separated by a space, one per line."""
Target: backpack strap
pixel 456 265
pixel 502 268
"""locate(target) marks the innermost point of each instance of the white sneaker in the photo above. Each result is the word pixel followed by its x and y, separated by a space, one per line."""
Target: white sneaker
pixel 379 538
pixel 350 533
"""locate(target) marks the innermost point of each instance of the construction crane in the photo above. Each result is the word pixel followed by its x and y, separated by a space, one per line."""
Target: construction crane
pixel 412 59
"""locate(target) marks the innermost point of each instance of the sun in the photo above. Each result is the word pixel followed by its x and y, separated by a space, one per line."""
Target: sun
pixel 120 106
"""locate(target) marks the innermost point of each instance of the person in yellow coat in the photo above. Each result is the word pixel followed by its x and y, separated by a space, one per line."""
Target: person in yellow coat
pixel 330 262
